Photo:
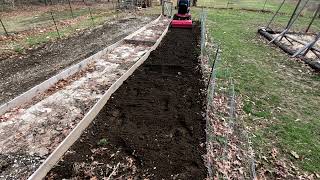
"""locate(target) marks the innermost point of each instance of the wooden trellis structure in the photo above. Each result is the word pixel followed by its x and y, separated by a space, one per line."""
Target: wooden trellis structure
pixel 285 34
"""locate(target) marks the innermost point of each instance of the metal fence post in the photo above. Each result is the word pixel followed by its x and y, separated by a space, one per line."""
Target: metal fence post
pixel 55 24
pixel 91 15
pixel 70 9
pixel 4 28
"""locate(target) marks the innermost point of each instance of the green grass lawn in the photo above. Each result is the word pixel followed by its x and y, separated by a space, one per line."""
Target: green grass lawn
pixel 68 30
pixel 39 19
pixel 281 97
pixel 21 22
pixel 271 5
pixel 64 31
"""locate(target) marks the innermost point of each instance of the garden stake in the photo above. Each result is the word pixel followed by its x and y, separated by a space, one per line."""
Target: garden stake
pixel 55 24
pixel 70 9
pixel 4 28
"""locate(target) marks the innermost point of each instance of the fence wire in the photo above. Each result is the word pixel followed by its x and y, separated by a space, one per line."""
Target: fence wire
pixel 39 18
pixel 203 16
pixel 26 27
pixel 22 18
pixel 221 84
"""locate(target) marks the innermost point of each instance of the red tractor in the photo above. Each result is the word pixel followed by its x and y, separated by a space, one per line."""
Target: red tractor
pixel 183 18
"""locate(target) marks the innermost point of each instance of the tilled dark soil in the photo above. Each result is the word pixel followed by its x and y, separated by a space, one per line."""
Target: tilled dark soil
pixel 19 74
pixel 153 126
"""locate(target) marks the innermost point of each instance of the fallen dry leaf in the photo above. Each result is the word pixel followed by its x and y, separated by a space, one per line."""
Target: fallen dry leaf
pixel 295 155
pixel 274 153
pixel 94 178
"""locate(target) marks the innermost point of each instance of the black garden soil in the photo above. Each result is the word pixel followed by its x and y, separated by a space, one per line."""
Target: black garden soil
pixel 153 126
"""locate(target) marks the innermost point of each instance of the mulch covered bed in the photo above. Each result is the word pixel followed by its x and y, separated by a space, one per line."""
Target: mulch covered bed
pixel 153 126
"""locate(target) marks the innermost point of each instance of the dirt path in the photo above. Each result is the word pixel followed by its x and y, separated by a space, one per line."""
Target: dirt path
pixel 18 75
pixel 153 126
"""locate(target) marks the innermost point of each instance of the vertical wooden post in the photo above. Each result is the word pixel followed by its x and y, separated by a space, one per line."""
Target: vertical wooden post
pixel 55 24
pixel 4 28
pixel 70 9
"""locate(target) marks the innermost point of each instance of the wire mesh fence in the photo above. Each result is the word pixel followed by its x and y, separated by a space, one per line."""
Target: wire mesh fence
pixel 40 17
pixel 27 27
pixel 229 152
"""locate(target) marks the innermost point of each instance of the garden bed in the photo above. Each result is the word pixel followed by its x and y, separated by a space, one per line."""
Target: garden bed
pixel 153 126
